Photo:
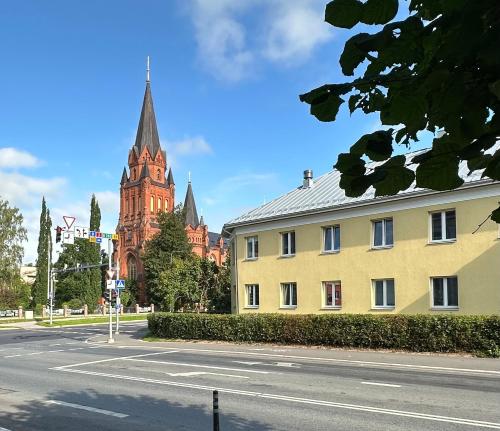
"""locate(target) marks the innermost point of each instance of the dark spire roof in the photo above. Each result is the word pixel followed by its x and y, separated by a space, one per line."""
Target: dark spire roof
pixel 202 221
pixel 170 177
pixel 147 132
pixel 124 176
pixel 145 171
pixel 190 213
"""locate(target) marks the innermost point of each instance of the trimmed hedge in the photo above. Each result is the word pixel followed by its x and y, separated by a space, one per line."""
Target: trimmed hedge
pixel 417 333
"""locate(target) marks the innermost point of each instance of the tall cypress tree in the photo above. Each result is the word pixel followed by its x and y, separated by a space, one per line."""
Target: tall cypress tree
pixel 94 291
pixel 39 290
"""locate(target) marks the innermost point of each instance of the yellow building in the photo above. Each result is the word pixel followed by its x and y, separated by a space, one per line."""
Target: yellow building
pixel 314 250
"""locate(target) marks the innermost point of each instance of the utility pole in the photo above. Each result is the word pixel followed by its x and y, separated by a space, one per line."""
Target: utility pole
pixel 110 339
pixel 118 301
pixel 49 278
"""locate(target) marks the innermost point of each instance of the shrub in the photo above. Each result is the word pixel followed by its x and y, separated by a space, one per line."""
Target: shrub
pixel 417 333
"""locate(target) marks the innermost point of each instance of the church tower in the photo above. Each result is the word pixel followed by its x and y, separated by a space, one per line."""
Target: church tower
pixel 145 190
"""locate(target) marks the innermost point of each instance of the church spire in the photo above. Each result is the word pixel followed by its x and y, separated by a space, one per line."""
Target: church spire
pixel 124 176
pixel 190 213
pixel 147 132
pixel 170 177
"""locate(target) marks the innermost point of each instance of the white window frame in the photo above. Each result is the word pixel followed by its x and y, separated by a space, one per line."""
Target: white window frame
pixel 323 295
pixel 443 226
pixel 384 235
pixel 374 294
pixel 323 239
pixel 282 302
pixel 254 287
pixel 289 241
pixel 445 293
pixel 252 240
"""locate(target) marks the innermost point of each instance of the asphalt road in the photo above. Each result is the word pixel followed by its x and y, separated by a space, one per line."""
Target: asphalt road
pixel 71 379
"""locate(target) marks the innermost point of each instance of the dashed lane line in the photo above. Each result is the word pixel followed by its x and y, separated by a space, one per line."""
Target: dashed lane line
pixel 389 385
pixel 87 408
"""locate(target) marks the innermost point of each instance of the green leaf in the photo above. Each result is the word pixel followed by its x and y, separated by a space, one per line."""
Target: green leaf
pixel 353 102
pixel 493 167
pixel 326 109
pixel 495 88
pixel 439 173
pixel 350 164
pixel 495 215
pixel 354 186
pixel 379 11
pixel 343 13
pixel 395 177
pixel 352 56
pixel 479 162
pixel 377 145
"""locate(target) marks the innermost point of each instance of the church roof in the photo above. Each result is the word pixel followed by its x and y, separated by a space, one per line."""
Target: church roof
pixel 124 176
pixel 190 213
pixel 145 171
pixel 147 132
pixel 170 178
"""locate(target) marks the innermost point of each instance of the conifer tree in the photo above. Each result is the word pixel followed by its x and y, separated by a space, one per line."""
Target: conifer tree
pixel 39 290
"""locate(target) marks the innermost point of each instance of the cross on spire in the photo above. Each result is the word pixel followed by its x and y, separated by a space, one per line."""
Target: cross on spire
pixel 147 70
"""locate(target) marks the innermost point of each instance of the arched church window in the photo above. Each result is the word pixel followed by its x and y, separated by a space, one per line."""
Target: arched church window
pixel 158 175
pixel 132 268
pixel 133 174
pixel 166 205
pixel 133 206
pixel 158 207
pixel 152 204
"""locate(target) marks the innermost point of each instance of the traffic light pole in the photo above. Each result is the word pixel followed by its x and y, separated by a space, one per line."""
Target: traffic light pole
pixel 110 339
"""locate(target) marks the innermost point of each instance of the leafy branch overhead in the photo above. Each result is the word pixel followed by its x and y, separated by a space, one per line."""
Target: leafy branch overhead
pixel 436 70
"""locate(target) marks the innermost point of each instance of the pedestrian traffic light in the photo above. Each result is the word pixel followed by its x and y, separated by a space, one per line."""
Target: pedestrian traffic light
pixel 106 295
pixel 58 233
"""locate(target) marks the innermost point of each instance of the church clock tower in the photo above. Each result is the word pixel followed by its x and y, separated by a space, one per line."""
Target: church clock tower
pixel 145 191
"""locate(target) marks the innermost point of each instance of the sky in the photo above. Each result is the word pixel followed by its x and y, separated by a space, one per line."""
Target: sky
pixel 225 79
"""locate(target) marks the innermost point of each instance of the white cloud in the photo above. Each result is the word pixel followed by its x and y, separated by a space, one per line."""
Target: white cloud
pixel 13 158
pixel 284 32
pixel 109 202
pixel 295 33
pixel 189 146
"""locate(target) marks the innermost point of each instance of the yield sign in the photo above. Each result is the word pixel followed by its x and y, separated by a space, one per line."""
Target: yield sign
pixel 110 273
pixel 69 221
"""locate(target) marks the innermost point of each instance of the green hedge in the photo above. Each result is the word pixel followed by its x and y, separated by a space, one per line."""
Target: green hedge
pixel 417 333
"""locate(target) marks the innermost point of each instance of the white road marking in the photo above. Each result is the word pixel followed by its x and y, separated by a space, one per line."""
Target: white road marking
pixel 411 367
pixel 286 364
pixel 247 362
pixel 389 385
pixel 87 408
pixel 202 373
pixel 54 345
pixel 24 354
pixel 211 367
pixel 4 429
pixel 111 359
pixel 377 410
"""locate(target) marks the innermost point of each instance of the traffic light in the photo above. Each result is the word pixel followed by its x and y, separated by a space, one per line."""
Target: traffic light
pixel 106 295
pixel 58 233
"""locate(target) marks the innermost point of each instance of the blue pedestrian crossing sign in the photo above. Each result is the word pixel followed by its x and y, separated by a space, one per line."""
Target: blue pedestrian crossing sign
pixel 120 284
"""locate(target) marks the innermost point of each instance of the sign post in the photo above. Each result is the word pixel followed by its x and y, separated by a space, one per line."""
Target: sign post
pixel 120 285
pixel 111 286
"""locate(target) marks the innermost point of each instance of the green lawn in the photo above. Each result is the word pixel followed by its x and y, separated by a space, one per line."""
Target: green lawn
pixel 104 319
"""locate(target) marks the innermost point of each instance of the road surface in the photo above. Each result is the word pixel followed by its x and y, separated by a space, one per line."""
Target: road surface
pixel 71 379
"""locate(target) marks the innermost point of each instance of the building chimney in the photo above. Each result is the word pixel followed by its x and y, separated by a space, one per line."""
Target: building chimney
pixel 308 178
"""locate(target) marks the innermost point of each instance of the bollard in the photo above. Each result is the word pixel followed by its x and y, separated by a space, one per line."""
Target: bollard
pixel 216 410
pixel 65 311
pixel 85 310
pixel 137 308
pixel 152 308
pixel 20 312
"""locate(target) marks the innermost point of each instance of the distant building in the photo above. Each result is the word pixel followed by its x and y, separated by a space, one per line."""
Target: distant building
pixel 145 191
pixel 315 250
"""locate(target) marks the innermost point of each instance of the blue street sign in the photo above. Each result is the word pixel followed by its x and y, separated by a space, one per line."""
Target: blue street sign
pixel 98 240
pixel 120 284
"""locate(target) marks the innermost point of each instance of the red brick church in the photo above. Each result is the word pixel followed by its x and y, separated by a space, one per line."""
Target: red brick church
pixel 147 190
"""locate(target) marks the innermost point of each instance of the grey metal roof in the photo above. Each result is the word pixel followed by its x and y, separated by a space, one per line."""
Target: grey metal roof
pixel 326 194
pixel 147 132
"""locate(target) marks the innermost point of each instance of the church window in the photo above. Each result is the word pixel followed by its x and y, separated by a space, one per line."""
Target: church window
pixel 152 204
pixel 158 175
pixel 166 205
pixel 132 268
pixel 133 174
pixel 158 208
pixel 133 205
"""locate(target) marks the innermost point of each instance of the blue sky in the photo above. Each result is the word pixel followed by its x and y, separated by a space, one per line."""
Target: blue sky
pixel 225 75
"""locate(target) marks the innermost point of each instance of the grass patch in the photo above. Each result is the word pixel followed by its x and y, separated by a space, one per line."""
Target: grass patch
pixel 90 320
pixel 15 320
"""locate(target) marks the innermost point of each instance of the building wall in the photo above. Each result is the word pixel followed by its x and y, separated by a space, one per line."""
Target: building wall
pixel 473 258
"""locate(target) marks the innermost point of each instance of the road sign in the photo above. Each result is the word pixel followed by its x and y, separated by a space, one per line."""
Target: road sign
pixel 69 220
pixel 110 273
pixel 110 284
pixel 81 232
pixel 98 240
pixel 68 237
pixel 120 284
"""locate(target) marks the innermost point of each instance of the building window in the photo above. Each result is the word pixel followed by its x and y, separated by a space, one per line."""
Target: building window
pixel 132 268
pixel 382 233
pixel 158 208
pixel 166 205
pixel 443 226
pixel 152 204
pixel 252 247
pixel 383 294
pixel 288 295
pixel 444 292
pixel 252 295
pixel 288 243
pixel 133 174
pixel 332 294
pixel 133 205
pixel 158 175
pixel 331 239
